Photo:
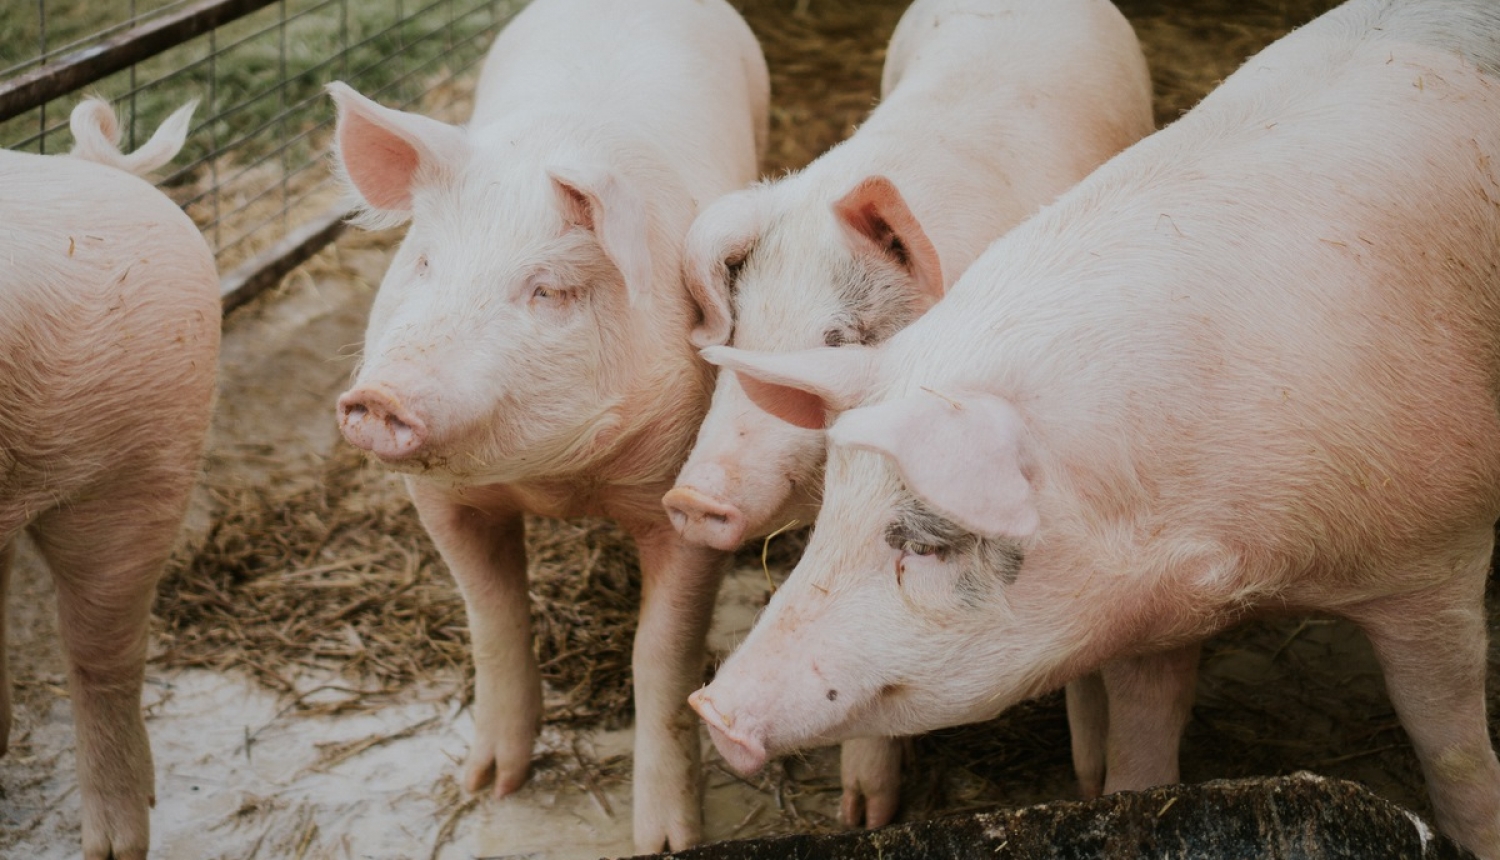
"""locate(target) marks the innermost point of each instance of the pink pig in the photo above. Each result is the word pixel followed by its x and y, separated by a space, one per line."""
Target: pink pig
pixel 1249 365
pixel 528 349
pixel 109 341
pixel 991 109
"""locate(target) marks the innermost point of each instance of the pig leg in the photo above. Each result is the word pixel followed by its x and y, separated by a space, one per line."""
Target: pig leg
pixel 1150 702
pixel 871 772
pixel 486 552
pixel 1432 647
pixel 105 555
pixel 7 555
pixel 1088 724
pixel 679 583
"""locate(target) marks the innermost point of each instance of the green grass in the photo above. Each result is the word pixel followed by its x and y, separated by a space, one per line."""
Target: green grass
pixel 262 124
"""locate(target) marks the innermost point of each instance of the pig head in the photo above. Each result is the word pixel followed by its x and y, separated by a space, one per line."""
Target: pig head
pixel 519 316
pixel 922 574
pixel 778 268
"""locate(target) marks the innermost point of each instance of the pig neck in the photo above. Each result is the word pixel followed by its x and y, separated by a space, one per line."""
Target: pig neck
pixel 635 446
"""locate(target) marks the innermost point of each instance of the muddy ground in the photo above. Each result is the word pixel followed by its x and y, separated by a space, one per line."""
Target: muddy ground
pixel 326 754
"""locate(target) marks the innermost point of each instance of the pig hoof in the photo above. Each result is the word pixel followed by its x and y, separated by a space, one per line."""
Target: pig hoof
pixel 676 834
pixel 859 808
pixel 114 836
pixel 482 771
pixel 870 770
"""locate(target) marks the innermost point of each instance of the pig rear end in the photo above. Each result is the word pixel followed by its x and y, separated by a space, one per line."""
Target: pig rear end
pixel 109 334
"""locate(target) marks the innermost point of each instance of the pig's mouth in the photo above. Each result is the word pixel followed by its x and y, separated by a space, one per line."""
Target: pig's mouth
pixel 746 744
pixel 744 751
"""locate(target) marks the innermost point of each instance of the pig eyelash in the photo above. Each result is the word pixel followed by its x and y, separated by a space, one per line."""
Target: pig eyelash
pixel 923 549
pixel 549 293
pixel 838 337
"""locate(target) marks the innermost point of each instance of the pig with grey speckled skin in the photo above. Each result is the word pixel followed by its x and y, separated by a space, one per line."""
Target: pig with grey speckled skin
pixel 1248 365
pixel 989 110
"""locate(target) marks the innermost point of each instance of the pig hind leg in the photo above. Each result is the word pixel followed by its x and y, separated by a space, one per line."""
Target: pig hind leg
pixel 1431 645
pixel 487 556
pixel 679 584
pixel 871 775
pixel 106 555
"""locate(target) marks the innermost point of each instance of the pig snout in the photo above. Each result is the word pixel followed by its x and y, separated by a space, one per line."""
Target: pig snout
pixel 743 751
pixel 375 420
pixel 703 518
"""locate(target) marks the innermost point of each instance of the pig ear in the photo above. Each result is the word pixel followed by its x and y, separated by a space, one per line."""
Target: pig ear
pixel 963 456
pixel 877 220
pixel 720 239
pixel 800 388
pixel 594 199
pixel 385 153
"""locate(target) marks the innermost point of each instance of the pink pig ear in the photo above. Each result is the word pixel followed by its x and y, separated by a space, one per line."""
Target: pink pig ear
pixel 720 239
pixel 386 152
pixel 598 201
pixel 877 220
pixel 801 388
pixel 963 456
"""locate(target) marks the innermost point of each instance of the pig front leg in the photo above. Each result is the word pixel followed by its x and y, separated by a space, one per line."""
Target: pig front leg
pixel 105 556
pixel 1431 645
pixel 871 777
pixel 1150 700
pixel 1127 719
pixel 679 583
pixel 486 552
pixel 1088 727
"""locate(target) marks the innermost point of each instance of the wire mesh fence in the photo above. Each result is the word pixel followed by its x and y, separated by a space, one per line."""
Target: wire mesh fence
pixel 254 174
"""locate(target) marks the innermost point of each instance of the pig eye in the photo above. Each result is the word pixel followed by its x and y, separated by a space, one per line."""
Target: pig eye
pixel 839 337
pixel 923 549
pixel 547 292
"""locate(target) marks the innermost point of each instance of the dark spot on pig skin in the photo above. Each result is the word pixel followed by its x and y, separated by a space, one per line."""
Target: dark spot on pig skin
pixel 832 695
pixel 982 559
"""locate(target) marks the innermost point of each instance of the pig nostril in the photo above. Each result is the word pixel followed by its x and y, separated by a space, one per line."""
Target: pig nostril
pixel 355 412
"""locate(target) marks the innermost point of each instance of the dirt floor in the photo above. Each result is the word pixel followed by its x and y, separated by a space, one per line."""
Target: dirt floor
pixel 309 687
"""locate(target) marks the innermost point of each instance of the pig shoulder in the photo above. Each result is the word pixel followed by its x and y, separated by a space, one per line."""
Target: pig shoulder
pixel 1232 382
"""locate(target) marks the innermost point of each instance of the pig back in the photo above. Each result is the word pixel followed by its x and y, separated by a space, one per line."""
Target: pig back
pixel 1268 337
pixel 109 331
pixel 686 75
